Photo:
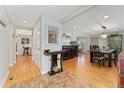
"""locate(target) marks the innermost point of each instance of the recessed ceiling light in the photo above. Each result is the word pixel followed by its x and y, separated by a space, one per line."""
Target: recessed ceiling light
pixel 24 21
pixel 75 27
pixel 105 17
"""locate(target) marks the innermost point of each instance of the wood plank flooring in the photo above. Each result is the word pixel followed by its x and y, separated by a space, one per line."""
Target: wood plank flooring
pixel 22 70
pixel 81 67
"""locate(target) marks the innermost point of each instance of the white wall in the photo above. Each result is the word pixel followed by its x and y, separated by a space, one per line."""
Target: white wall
pixel 14 44
pixel 12 54
pixel 94 40
pixel 73 34
pixel 102 42
pixel 45 59
pixel 36 53
pixel 4 45
pixel 68 27
pixel 87 43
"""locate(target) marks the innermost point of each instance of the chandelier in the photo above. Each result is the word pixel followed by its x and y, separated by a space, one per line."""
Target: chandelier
pixel 103 35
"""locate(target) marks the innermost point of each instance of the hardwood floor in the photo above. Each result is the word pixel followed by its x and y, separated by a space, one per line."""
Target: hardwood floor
pixel 22 70
pixel 81 67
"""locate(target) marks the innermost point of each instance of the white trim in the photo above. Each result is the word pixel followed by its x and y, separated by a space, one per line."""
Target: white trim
pixel 14 62
pixel 39 68
pixel 44 72
pixel 10 65
pixel 38 65
pixel 1 85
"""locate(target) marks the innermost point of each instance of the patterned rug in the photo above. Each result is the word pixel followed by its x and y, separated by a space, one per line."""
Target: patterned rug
pixel 60 80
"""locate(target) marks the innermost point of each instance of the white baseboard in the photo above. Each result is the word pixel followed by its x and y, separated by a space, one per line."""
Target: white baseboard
pixel 44 72
pixel 10 65
pixel 37 65
pixel 14 62
pixel 5 78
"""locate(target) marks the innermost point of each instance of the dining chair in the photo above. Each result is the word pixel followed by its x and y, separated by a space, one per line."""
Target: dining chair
pixel 25 51
pixel 98 58
pixel 114 58
pixel 94 47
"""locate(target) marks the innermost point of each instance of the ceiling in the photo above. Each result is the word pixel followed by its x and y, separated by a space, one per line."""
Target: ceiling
pixel 84 20
pixel 30 13
pixel 91 21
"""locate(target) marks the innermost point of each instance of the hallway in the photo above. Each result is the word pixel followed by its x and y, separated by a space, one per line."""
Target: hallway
pixel 24 69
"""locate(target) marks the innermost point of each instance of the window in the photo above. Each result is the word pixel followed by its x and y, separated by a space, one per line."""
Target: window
pixel 115 42
pixel 25 41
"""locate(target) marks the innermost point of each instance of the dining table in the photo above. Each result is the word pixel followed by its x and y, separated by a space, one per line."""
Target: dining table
pixel 108 52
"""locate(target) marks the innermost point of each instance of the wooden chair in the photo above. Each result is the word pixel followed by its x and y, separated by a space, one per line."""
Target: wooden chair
pixel 98 57
pixel 114 58
pixel 25 51
pixel 94 47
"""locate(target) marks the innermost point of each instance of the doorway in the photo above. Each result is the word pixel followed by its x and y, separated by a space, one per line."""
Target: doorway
pixel 80 41
pixel 23 42
pixel 84 43
pixel 24 68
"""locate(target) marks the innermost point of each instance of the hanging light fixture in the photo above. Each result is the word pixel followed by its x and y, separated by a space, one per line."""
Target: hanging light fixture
pixel 103 35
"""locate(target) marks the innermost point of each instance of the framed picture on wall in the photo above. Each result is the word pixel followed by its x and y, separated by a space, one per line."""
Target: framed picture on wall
pixel 52 37
pixel 52 34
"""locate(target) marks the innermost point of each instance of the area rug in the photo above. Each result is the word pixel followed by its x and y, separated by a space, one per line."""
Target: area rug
pixel 60 80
